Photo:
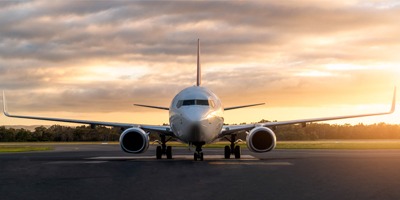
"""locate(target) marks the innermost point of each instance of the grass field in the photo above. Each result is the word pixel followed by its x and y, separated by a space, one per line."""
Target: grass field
pixel 22 148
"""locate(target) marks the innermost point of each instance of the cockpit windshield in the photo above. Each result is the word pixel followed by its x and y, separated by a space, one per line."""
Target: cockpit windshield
pixel 191 102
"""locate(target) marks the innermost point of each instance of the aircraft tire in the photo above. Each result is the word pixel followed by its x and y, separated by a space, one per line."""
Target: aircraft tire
pixel 195 156
pixel 237 152
pixel 169 152
pixel 227 152
pixel 158 152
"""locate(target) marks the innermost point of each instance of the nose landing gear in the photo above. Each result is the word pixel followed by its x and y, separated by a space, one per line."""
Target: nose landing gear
pixel 198 155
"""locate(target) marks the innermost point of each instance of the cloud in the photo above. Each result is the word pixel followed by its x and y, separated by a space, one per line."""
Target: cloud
pixel 62 56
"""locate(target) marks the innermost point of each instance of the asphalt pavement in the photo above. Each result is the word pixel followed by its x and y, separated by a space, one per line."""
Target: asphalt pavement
pixel 104 172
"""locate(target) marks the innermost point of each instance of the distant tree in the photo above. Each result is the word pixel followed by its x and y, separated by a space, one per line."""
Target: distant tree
pixel 22 135
pixel 7 134
pixel 313 131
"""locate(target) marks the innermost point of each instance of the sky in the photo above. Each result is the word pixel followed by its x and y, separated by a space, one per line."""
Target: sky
pixel 93 59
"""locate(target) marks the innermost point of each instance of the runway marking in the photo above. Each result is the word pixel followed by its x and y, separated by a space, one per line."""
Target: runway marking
pixel 177 157
pixel 121 157
pixel 253 163
pixel 95 162
pixel 76 162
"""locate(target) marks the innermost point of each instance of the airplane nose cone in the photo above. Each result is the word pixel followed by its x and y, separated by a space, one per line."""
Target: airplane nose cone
pixel 195 129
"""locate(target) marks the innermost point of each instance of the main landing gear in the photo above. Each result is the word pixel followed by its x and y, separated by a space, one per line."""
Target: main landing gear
pixel 198 154
pixel 233 149
pixel 164 149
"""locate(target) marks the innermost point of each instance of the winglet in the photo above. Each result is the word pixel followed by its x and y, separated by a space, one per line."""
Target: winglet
pixel 198 64
pixel 394 101
pixel 5 105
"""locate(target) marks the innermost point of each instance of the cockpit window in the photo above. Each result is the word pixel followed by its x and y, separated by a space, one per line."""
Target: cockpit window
pixel 202 102
pixel 212 104
pixel 191 102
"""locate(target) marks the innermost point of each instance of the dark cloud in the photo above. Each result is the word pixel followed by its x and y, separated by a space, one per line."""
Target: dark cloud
pixel 106 29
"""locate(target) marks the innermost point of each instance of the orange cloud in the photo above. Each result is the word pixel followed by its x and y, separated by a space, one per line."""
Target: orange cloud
pixel 95 58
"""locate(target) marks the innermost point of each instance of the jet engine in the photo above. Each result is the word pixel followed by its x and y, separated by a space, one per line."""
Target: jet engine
pixel 134 140
pixel 261 139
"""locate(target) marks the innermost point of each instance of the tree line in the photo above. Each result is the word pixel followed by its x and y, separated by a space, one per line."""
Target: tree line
pixel 57 133
pixel 314 131
pixel 335 131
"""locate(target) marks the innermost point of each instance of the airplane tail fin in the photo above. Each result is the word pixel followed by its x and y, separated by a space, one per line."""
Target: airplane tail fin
pixel 198 64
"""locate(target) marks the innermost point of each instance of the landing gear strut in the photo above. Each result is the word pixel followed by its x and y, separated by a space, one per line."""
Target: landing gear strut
pixel 233 149
pixel 164 149
pixel 198 155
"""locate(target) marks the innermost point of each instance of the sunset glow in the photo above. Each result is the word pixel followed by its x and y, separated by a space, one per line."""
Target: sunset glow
pixel 304 59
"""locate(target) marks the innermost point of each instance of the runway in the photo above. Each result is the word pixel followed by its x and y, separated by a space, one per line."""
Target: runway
pixel 104 172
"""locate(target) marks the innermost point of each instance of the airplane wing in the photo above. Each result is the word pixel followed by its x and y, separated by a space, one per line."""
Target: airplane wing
pixel 150 128
pixel 229 129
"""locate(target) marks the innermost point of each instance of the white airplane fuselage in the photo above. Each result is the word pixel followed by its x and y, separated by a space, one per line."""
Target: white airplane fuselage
pixel 196 115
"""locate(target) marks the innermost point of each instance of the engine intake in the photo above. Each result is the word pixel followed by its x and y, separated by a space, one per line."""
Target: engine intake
pixel 134 140
pixel 261 139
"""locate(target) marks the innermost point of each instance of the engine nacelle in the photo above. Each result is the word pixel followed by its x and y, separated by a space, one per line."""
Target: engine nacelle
pixel 134 140
pixel 261 139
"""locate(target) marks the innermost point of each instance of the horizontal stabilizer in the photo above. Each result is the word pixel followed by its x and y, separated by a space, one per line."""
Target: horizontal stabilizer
pixel 155 107
pixel 244 106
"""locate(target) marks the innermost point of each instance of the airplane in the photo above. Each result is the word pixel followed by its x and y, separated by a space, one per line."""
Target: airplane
pixel 196 118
